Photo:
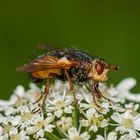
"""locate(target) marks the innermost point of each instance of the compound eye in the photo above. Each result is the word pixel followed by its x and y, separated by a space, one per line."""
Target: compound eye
pixel 99 67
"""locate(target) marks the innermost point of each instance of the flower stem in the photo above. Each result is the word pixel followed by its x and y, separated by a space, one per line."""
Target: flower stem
pixel 61 133
pixel 51 136
pixel 75 115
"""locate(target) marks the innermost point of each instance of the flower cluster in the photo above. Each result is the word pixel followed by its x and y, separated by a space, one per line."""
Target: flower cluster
pixel 71 115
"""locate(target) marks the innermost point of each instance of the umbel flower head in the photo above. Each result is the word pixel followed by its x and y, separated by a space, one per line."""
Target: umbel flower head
pixel 68 116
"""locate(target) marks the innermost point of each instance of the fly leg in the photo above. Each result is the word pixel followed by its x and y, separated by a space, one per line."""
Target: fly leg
pixel 43 93
pixel 70 84
pixel 99 94
pixel 93 94
pixel 69 80
pixel 39 99
pixel 46 90
pixel 43 96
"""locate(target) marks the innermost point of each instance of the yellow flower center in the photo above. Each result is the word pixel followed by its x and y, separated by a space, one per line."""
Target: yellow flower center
pixel 15 137
pixel 26 116
pixel 6 128
pixel 40 124
pixel 96 120
pixel 76 137
pixel 20 102
pixel 59 104
pixel 127 123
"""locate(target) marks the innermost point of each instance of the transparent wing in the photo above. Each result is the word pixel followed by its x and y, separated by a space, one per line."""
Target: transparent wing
pixel 45 62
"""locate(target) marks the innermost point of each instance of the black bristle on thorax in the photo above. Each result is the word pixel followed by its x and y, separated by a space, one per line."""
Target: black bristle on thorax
pixel 78 73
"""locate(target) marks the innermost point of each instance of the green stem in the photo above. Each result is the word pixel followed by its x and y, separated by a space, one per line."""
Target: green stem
pixel 61 133
pixel 51 136
pixel 75 115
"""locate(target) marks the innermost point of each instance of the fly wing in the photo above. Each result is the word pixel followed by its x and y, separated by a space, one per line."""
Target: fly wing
pixel 46 62
pixel 48 47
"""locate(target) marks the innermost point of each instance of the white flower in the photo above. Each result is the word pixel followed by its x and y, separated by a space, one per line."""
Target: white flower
pixel 60 104
pixel 33 93
pixel 110 136
pixel 39 125
pixel 127 123
pixel 21 118
pixel 19 91
pixel 118 108
pixel 95 120
pixel 73 134
pixel 122 91
pixel 132 106
pixel 88 97
pixel 65 123
pixel 11 101
pixel 84 123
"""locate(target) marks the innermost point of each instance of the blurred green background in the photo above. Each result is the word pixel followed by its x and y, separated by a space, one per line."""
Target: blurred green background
pixel 107 28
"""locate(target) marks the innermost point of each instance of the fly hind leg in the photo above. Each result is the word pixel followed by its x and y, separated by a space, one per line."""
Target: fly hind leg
pixel 100 95
pixel 39 99
pixel 44 93
pixel 46 90
pixel 70 83
pixel 69 80
pixel 43 97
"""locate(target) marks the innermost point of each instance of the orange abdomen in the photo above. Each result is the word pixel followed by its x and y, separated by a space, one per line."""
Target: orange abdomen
pixel 49 73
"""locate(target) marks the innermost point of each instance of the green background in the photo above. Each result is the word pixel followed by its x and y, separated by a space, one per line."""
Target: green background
pixel 109 29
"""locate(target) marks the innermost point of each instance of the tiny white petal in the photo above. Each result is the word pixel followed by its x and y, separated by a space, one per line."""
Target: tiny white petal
pixel 42 139
pixel 84 123
pixel 99 137
pixel 105 105
pixel 84 105
pixel 112 136
pixel 78 96
pixel 136 107
pixel 137 124
pixel 116 117
pixel 87 97
pixel 72 131
pixel 68 100
pixel 121 129
pixel 23 135
pixel 13 131
pixel 11 101
pixel 90 112
pixel 85 136
pixel 58 113
pixel 19 91
pixel 113 91
pixel 104 123
pixel 93 128
pixel 49 128
pixel 34 87
pixel 118 108
pixel 1 130
pixel 68 109
pixel 40 133
pixel 31 130
pixel 126 84
pixel 125 137
pixel 16 120
pixel 132 134
pixel 9 111
pixel 49 119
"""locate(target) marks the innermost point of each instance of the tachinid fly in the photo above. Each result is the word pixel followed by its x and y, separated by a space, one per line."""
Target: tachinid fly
pixel 69 64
